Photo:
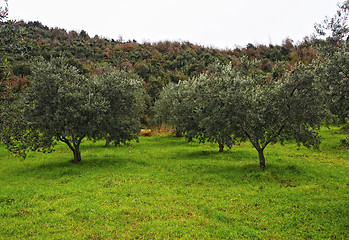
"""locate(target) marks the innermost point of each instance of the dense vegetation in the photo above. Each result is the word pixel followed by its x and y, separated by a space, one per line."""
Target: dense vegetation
pixel 156 63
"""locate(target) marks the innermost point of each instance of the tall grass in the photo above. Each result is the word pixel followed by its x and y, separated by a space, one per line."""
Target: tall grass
pixel 166 188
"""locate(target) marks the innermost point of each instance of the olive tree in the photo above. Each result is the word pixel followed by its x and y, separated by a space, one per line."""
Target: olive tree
pixel 198 107
pixel 228 105
pixel 285 109
pixel 124 94
pixel 176 107
pixel 335 82
pixel 192 106
pixel 215 93
pixel 211 103
pixel 60 104
pixel 335 58
pixel 263 111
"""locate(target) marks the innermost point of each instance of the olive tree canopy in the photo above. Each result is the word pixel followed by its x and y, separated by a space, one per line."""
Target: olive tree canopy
pixel 227 105
pixel 124 94
pixel 60 104
pixel 285 109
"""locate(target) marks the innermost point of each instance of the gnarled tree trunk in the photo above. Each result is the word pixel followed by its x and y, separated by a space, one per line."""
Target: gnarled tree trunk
pixel 74 145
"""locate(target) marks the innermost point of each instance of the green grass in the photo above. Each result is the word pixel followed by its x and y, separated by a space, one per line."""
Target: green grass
pixel 166 188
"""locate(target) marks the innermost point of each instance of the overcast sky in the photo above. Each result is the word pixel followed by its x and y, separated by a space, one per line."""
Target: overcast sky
pixel 217 23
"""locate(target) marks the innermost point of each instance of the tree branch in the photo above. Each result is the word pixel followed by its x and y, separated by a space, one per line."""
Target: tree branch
pixel 255 144
pixel 66 141
pixel 275 135
pixel 79 141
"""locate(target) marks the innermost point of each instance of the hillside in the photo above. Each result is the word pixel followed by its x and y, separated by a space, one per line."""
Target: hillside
pixel 157 63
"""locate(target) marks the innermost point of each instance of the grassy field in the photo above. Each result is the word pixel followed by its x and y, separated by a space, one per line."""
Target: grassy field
pixel 166 188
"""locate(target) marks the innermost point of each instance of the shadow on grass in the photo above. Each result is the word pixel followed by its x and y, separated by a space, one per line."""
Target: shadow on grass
pixel 235 154
pixel 167 142
pixel 101 145
pixel 288 175
pixel 203 160
pixel 65 167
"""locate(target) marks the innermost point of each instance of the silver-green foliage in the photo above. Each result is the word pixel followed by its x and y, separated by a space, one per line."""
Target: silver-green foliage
pixel 212 105
pixel 336 79
pixel 195 107
pixel 227 105
pixel 335 58
pixel 176 106
pixel 124 96
pixel 60 104
pixel 289 108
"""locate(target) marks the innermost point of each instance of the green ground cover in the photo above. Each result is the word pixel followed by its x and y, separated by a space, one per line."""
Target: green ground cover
pixel 166 188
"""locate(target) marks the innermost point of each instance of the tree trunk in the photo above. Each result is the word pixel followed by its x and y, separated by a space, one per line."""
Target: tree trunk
pixel 261 158
pixel 221 147
pixel 77 155
pixel 74 145
pixel 107 140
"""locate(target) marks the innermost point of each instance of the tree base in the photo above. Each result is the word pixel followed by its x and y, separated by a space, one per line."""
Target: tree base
pixel 75 161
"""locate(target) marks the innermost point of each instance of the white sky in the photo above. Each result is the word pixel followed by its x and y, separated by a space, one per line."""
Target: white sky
pixel 218 23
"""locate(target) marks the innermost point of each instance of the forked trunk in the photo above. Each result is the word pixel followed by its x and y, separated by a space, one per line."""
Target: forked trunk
pixel 76 150
pixel 74 145
pixel 261 158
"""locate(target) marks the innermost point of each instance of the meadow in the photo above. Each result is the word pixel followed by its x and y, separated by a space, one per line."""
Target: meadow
pixel 166 188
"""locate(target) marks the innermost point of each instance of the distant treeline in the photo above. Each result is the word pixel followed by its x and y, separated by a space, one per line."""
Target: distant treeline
pixel 157 63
